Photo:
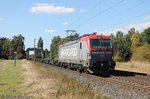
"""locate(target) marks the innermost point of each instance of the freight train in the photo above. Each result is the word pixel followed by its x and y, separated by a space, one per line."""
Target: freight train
pixel 89 53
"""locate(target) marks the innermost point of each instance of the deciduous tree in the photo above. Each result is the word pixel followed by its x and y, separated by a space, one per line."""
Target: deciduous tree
pixel 40 43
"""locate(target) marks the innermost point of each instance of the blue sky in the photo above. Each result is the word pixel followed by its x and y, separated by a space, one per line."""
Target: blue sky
pixel 48 18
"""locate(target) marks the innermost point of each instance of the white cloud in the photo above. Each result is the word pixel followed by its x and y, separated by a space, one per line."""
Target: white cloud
pixel 147 17
pixel 65 23
pixel 138 27
pixel 82 10
pixel 49 31
pixel 46 8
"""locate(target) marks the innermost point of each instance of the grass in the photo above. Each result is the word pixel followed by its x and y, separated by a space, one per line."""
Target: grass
pixel 134 66
pixel 10 78
pixel 40 82
pixel 68 88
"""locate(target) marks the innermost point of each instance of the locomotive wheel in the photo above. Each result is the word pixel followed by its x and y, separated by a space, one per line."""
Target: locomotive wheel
pixel 79 70
pixel 61 64
pixel 64 65
pixel 69 66
pixel 86 70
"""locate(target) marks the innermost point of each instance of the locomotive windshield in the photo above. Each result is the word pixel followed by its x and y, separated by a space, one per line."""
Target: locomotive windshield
pixel 100 43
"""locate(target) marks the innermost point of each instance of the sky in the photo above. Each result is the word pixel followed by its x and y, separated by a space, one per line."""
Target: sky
pixel 49 18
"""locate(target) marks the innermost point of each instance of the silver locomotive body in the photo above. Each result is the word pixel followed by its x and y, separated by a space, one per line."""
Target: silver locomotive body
pixel 90 52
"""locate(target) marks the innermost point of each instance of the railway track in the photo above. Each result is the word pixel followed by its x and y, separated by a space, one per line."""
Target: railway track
pixel 131 82
pixel 138 83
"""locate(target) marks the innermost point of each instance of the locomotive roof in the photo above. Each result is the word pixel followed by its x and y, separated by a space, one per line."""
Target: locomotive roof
pixel 94 36
pixel 87 36
pixel 70 42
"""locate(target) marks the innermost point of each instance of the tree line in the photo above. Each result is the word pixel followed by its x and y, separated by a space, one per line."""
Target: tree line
pixel 133 45
pixel 46 52
pixel 9 46
pixel 16 44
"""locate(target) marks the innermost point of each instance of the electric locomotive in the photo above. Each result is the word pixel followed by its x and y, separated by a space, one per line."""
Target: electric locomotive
pixel 90 53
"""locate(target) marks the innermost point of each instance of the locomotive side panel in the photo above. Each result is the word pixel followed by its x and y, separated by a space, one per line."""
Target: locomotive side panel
pixel 69 53
pixel 84 54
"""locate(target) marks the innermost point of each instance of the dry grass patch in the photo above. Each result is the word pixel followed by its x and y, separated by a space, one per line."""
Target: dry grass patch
pixel 69 89
pixel 135 66
pixel 42 83
pixel 36 83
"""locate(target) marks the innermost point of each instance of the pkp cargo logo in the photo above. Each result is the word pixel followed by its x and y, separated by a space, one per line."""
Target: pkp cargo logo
pixel 68 52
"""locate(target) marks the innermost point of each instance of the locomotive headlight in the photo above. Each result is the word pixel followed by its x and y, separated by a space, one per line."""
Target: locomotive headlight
pixel 108 52
pixel 95 52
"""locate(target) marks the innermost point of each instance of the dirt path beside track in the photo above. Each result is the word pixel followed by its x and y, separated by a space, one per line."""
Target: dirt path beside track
pixel 42 82
pixel 36 82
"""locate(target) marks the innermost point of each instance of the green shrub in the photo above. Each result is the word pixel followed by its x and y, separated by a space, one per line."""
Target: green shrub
pixel 142 53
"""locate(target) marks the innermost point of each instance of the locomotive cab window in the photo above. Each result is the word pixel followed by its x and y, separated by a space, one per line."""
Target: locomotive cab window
pixel 80 45
pixel 106 43
pixel 95 43
pixel 99 43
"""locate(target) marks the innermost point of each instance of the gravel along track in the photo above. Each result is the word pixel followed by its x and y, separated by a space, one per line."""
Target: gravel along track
pixel 123 86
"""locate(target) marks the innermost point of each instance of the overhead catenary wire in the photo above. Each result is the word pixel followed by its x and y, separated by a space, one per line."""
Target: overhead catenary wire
pixel 132 18
pixel 96 5
pixel 129 19
pixel 92 7
pixel 128 9
pixel 131 8
pixel 100 13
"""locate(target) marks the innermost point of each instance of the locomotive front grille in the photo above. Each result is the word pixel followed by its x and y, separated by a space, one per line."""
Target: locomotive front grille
pixel 101 55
